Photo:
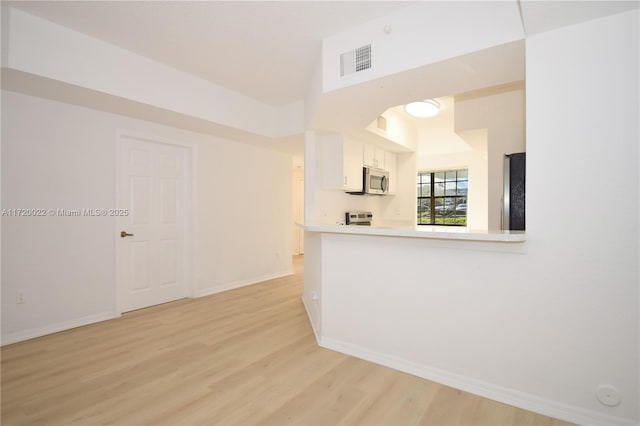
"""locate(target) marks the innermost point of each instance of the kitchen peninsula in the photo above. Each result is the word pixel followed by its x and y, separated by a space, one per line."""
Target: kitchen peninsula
pixel 356 276
pixel 413 299
pixel 429 232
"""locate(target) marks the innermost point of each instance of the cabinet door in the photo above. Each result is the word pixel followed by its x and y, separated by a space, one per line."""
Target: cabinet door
pixel 352 165
pixel 369 155
pixel 373 156
pixel 342 163
pixel 379 159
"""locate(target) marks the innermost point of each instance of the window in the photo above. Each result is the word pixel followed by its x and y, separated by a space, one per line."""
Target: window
pixel 442 197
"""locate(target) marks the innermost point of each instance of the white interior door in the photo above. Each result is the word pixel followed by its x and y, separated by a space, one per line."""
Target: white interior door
pixel 151 261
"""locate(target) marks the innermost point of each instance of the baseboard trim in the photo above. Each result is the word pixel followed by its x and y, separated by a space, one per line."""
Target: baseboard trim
pixel 488 390
pixel 313 327
pixel 241 283
pixel 32 333
pixel 90 319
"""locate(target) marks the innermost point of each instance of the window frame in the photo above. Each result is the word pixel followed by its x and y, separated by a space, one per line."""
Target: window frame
pixel 433 217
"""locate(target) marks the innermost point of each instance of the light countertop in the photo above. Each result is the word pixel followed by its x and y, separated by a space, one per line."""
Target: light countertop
pixel 433 232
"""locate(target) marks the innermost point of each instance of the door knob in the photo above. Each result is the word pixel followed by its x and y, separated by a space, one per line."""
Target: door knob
pixel 125 234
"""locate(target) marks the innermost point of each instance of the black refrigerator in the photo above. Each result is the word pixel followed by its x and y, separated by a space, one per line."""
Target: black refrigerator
pixel 513 208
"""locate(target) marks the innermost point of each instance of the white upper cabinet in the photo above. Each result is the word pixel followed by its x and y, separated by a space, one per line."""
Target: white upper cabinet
pixel 342 163
pixel 343 159
pixel 373 156
pixel 352 164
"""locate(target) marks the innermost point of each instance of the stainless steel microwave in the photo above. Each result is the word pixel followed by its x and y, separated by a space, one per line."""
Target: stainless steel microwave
pixel 374 181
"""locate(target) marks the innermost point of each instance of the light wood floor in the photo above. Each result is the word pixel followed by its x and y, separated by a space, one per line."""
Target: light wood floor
pixel 246 356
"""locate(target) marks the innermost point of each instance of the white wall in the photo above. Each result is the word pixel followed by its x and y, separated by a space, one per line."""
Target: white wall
pixel 503 115
pixel 458 27
pixel 335 203
pixel 297 206
pixel 540 324
pixel 441 148
pixel 313 280
pixel 39 47
pixel 586 237
pixel 402 133
pixel 474 132
pixel 476 165
pixel 399 210
pixel 437 135
pixel 57 155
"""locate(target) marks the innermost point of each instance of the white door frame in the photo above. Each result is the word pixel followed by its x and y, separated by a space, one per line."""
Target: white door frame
pixel 191 152
pixel 298 207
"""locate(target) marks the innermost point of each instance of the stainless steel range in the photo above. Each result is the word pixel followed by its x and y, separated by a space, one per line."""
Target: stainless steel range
pixel 358 218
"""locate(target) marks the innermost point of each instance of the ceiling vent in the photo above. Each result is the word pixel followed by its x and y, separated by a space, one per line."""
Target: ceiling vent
pixel 355 60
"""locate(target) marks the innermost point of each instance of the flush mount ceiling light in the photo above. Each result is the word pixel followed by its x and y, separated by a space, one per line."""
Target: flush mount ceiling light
pixel 423 109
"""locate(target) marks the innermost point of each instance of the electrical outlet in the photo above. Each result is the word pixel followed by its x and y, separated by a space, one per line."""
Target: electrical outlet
pixel 314 295
pixel 20 299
